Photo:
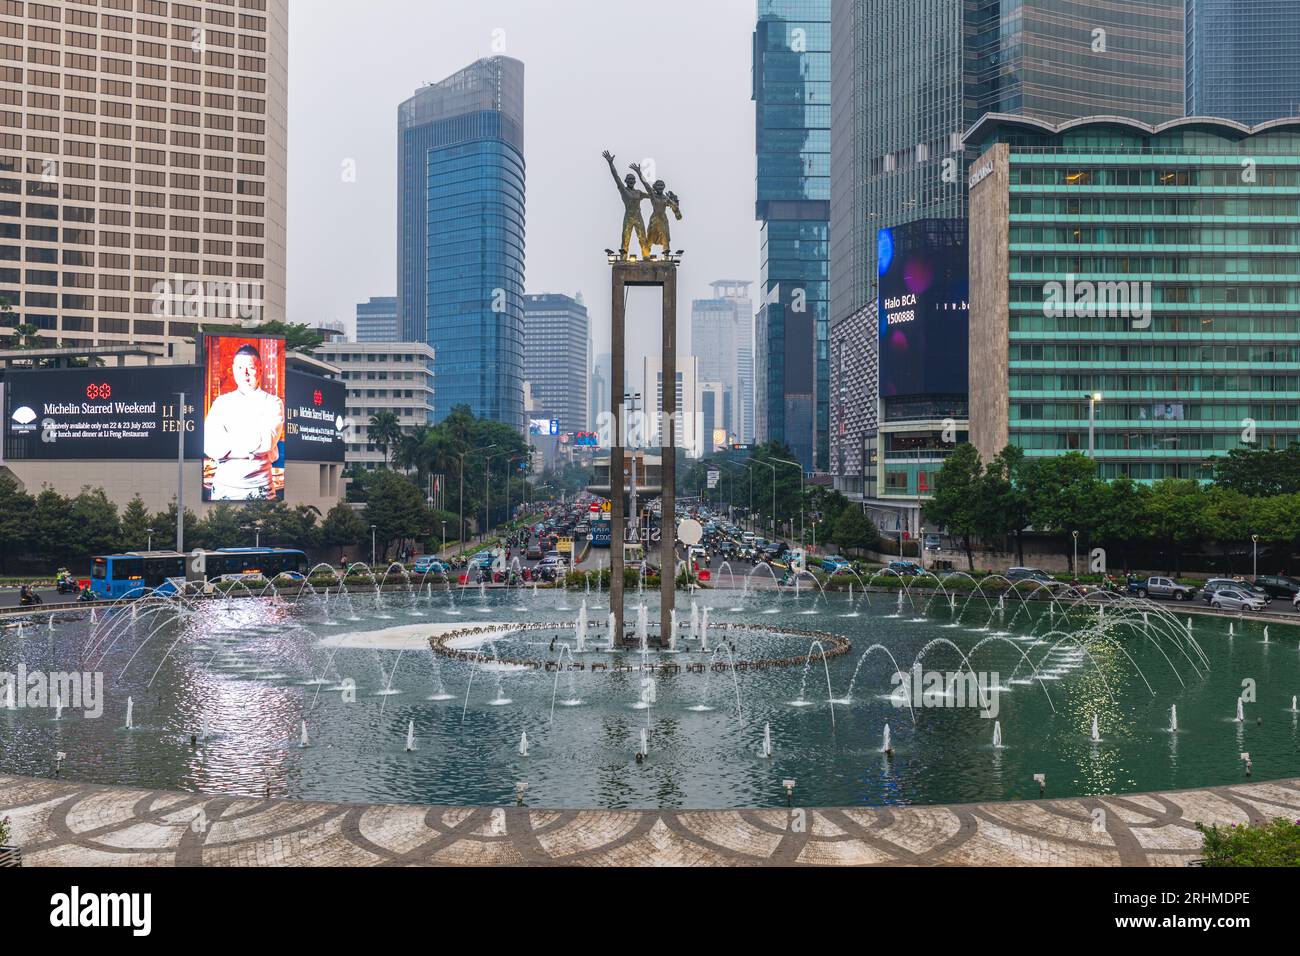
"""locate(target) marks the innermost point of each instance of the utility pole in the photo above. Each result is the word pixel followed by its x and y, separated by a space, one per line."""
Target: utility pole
pixel 180 476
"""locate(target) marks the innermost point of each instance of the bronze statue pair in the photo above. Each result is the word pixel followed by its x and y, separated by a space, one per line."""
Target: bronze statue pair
pixel 661 200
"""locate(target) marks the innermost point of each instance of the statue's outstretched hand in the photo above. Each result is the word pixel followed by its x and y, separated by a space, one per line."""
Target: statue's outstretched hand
pixel 609 157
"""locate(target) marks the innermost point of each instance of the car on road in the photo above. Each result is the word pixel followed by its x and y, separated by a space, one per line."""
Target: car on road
pixel 1220 584
pixel 1279 585
pixel 1033 576
pixel 535 552
pixel 1159 587
pixel 905 568
pixel 1234 599
pixel 428 564
pixel 834 564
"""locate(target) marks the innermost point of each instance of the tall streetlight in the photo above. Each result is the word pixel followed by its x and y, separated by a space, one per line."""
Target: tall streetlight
pixel 773 467
pixel 510 461
pixel 373 545
pixel 461 457
pixel 1093 399
pixel 151 534
pixel 1075 535
pixel 803 537
pixel 444 538
pixel 1254 557
pixel 487 492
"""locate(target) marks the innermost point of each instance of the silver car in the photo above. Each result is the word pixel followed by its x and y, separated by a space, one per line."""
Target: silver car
pixel 1231 599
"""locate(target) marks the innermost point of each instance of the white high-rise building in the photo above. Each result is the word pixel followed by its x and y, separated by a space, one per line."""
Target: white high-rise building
pixel 143 150
pixel 722 341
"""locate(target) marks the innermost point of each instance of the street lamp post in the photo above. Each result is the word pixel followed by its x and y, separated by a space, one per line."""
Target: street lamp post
pixel 461 457
pixel 444 539
pixel 803 537
pixel 1093 399
pixel 487 492
pixel 373 545
pixel 1075 564
pixel 1254 556
pixel 510 461
pixel 773 467
pixel 151 534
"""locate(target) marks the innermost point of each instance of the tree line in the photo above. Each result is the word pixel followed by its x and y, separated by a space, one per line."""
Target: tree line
pixel 1255 494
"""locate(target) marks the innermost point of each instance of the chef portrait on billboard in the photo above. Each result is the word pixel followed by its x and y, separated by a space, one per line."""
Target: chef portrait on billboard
pixel 243 431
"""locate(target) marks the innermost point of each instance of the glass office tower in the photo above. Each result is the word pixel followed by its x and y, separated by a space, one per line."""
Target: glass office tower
pixel 1063 59
pixel 792 112
pixel 1139 280
pixel 460 239
pixel 1243 59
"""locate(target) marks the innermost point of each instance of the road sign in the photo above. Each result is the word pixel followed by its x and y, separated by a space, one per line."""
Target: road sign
pixel 594 509
pixel 564 546
pixel 714 478
pixel 607 507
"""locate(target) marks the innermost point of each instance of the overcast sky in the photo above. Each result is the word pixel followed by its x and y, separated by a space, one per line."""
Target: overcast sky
pixel 668 80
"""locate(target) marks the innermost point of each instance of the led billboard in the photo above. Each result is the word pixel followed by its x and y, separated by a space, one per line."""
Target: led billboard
pixel 100 414
pixel 924 309
pixel 317 425
pixel 243 418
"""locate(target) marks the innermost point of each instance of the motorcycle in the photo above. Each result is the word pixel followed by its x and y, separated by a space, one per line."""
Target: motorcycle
pixel 29 598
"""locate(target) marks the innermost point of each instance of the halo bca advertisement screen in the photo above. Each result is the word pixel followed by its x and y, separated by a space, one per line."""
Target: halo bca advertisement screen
pixel 924 309
pixel 317 426
pixel 100 414
pixel 243 418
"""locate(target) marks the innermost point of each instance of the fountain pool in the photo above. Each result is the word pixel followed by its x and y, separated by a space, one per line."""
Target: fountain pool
pixel 321 698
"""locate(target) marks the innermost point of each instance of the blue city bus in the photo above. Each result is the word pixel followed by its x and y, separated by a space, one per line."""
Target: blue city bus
pixel 140 573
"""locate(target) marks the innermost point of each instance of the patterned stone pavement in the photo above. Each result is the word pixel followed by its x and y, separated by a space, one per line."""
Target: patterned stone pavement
pixel 57 823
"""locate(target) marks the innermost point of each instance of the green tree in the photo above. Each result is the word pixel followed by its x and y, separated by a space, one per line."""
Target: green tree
pixel 136 522
pixel 1064 495
pixel 853 530
pixel 1001 509
pixel 343 527
pixel 98 528
pixel 1178 515
pixel 1260 472
pixel 164 523
pixel 1124 519
pixel 17 528
pixel 57 539
pixel 384 432
pixel 221 529
pixel 396 510
pixel 955 505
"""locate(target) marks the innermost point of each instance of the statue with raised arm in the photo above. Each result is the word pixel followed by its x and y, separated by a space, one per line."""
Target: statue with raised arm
pixel 632 199
pixel 661 200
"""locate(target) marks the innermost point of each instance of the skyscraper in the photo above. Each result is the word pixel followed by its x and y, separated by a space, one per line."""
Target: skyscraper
pixel 377 320
pixel 1243 59
pixel 909 78
pixel 557 349
pixel 792 110
pixel 142 158
pixel 601 380
pixel 722 339
pixel 1058 60
pixel 460 235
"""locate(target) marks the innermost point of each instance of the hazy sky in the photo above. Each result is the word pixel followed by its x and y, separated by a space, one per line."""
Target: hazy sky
pixel 668 81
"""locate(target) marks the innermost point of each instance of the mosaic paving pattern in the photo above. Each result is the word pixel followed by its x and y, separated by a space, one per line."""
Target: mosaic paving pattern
pixel 69 824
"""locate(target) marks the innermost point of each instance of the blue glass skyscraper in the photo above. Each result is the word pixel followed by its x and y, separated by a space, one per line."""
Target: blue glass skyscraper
pixel 792 112
pixel 460 235
pixel 1243 59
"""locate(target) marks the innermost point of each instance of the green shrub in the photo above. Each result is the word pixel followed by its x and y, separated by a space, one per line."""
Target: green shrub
pixel 1272 844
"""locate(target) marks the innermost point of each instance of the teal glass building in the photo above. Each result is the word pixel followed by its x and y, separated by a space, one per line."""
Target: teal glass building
pixel 1147 280
pixel 792 332
pixel 461 187
pixel 1243 59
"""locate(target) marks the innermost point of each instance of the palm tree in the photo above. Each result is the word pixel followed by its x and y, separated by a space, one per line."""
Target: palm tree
pixel 385 431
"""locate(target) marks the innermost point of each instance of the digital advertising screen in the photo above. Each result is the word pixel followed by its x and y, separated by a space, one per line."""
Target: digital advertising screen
pixel 317 424
pixel 924 309
pixel 100 414
pixel 243 418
